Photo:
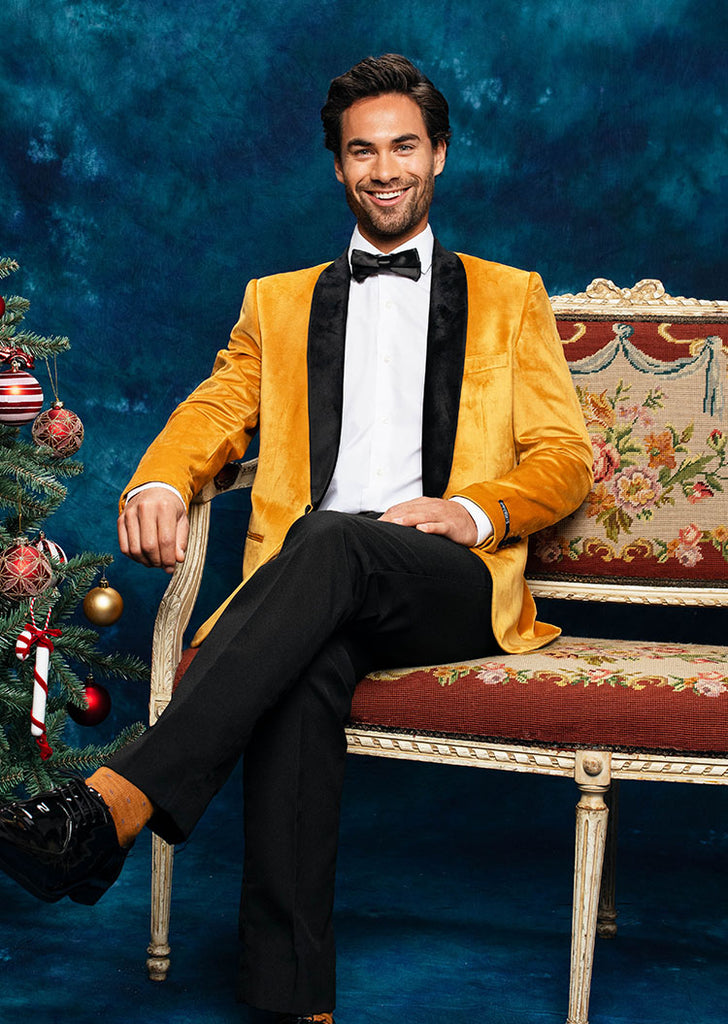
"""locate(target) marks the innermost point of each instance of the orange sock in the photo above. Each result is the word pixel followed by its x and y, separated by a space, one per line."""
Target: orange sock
pixel 127 805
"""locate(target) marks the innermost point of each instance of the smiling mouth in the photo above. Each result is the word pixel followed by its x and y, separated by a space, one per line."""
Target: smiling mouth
pixel 387 198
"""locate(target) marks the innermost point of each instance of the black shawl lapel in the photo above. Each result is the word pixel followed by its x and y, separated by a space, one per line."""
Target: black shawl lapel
pixel 444 370
pixel 326 334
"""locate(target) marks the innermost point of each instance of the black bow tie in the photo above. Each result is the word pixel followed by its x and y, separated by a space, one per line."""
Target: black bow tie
pixel 406 264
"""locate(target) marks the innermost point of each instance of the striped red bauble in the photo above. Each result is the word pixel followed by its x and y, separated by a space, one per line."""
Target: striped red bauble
pixel 21 396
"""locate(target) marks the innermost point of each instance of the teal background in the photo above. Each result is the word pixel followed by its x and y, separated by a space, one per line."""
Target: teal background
pixel 154 156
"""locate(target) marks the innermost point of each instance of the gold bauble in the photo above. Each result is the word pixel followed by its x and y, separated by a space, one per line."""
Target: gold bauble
pixel 103 605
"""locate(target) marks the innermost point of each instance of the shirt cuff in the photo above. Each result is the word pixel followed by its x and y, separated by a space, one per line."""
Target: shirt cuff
pixel 482 521
pixel 154 483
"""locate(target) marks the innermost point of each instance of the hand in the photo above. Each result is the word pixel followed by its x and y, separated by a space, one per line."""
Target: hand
pixel 435 515
pixel 153 528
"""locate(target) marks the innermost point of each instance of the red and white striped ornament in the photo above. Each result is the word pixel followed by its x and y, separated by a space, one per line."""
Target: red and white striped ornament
pixel 21 396
pixel 50 549
pixel 42 638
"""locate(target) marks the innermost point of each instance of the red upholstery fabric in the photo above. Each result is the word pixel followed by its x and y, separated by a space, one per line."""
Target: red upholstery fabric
pixel 577 692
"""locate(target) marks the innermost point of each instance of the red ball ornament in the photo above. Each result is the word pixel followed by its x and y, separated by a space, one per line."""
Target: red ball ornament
pixel 98 701
pixel 2 306
pixel 58 429
pixel 24 571
pixel 21 396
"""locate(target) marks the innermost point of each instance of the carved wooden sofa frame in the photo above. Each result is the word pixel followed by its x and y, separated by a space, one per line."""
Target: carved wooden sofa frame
pixel 596 767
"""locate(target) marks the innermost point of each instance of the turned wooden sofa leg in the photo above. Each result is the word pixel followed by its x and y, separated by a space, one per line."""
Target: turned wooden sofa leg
pixel 607 917
pixel 158 948
pixel 592 774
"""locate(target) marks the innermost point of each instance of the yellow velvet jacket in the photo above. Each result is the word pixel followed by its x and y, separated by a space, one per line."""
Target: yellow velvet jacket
pixel 502 424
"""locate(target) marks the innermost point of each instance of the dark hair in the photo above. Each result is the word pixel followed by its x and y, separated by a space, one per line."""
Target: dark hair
pixel 374 76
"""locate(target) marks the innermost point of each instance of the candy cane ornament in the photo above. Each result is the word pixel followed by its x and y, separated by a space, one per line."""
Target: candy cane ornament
pixel 43 639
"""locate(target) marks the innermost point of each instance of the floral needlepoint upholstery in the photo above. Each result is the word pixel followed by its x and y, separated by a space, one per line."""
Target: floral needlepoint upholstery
pixel 653 397
pixel 575 692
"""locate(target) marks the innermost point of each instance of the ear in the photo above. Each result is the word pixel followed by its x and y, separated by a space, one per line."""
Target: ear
pixel 439 156
pixel 338 169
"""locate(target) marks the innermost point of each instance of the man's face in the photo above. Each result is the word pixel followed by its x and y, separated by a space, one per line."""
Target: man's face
pixel 388 167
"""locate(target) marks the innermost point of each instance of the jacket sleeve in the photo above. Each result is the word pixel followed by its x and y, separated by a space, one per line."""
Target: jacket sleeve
pixel 552 470
pixel 218 420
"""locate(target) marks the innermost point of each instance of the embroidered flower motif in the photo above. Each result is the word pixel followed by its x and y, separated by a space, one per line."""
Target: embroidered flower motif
pixel 600 499
pixel 596 675
pixel 547 547
pixel 637 414
pixel 649 463
pixel 493 676
pixel 690 535
pixel 699 492
pixel 710 684
pixel 688 556
pixel 606 458
pixel 637 489
pixel 661 449
pixel 717 440
pixel 597 409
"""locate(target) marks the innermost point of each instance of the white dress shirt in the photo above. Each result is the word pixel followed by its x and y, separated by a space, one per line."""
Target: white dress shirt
pixel 380 452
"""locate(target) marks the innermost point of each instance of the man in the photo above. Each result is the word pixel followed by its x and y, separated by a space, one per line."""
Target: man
pixel 417 422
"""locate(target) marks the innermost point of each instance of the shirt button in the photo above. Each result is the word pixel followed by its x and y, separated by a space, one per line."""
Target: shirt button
pixel 387 359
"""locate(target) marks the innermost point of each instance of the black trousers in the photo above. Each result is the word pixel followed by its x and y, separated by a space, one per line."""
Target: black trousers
pixel 274 681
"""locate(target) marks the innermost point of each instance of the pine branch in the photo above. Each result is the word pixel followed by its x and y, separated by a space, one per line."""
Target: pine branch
pixel 85 759
pixel 39 346
pixel 7 266
pixel 72 687
pixel 11 778
pixel 46 463
pixel 123 666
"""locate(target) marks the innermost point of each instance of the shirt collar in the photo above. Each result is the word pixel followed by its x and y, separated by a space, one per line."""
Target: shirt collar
pixel 423 243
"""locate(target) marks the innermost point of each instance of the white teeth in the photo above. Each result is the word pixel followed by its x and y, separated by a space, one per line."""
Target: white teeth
pixel 387 195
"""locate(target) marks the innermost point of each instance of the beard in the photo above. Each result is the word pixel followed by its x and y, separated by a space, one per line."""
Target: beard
pixel 395 221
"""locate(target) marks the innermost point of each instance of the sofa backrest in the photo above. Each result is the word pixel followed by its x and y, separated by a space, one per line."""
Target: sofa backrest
pixel 650 372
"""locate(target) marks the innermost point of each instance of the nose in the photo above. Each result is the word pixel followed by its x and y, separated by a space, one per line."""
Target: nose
pixel 385 167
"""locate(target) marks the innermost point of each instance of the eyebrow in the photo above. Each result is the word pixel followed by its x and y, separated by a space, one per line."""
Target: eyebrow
pixel 410 137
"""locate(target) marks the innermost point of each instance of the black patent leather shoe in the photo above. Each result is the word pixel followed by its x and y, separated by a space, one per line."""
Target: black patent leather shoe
pixel 61 843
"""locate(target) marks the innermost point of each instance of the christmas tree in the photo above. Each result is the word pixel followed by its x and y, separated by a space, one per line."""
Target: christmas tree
pixel 47 658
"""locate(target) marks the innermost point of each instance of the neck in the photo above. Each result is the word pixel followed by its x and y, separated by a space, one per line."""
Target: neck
pixel 387 243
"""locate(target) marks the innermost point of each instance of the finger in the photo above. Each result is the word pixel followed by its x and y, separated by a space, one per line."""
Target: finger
pixel 162 539
pixel 434 527
pixel 133 535
pixel 183 529
pixel 123 536
pixel 416 510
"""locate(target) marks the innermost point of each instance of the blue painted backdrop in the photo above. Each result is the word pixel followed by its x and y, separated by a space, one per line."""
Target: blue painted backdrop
pixel 154 156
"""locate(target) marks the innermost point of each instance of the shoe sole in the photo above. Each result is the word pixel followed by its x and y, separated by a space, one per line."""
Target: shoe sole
pixel 88 892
